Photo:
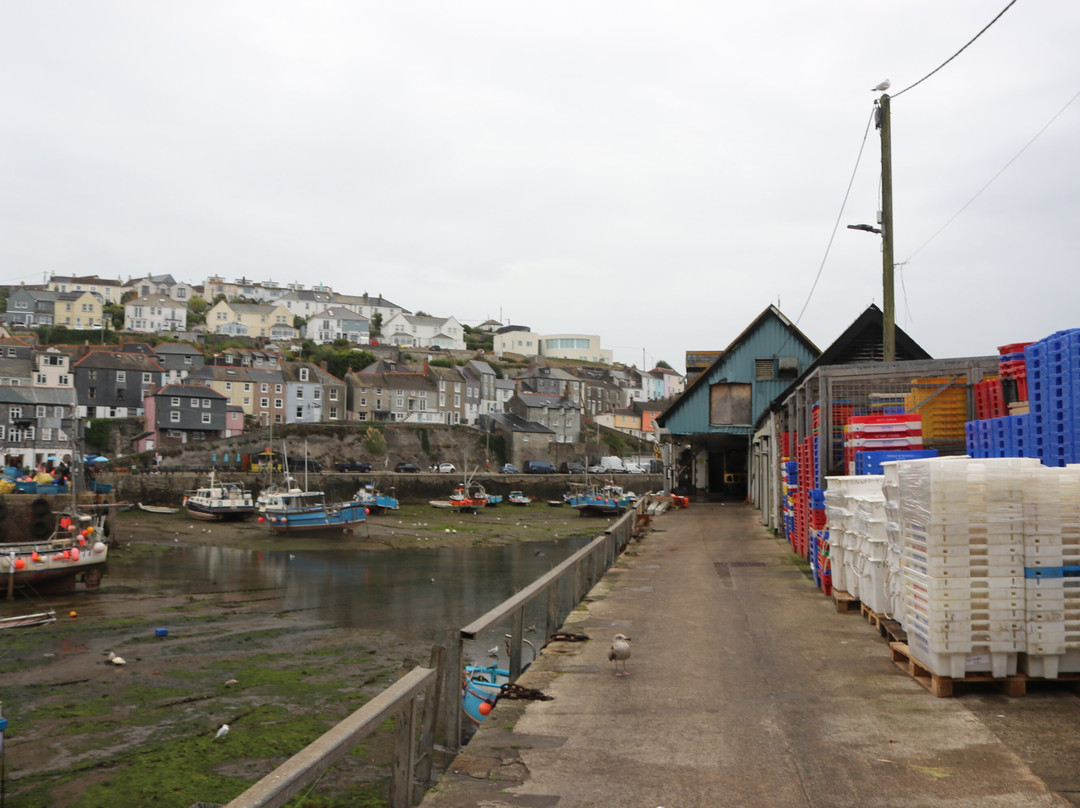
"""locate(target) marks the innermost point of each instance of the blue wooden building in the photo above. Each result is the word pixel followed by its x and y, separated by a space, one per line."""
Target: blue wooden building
pixel 712 422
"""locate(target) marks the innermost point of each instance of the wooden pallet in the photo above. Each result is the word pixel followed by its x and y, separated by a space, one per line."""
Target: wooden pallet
pixel 887 627
pixel 945 686
pixel 845 603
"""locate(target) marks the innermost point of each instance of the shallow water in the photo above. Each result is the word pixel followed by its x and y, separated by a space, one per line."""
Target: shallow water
pixel 414 593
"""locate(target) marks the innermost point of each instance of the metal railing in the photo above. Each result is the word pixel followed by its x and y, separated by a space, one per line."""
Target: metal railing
pixel 414 742
pixel 439 686
pixel 586 566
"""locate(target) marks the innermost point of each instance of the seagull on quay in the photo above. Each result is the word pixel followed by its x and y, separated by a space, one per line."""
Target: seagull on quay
pixel 881 87
pixel 620 652
pixel 116 660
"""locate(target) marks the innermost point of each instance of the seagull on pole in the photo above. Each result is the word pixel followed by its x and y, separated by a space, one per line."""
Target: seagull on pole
pixel 620 652
pixel 881 87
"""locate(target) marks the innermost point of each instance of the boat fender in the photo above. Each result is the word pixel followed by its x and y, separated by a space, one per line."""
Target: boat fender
pixel 39 507
pixel 75 554
pixel 19 563
pixel 3 509
pixel 106 528
pixel 39 528
pixel 99 547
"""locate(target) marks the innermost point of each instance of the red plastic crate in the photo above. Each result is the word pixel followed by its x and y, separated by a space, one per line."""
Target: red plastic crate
pixel 989 400
pixel 1013 347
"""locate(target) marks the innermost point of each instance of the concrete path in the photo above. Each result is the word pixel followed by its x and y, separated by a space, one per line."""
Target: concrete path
pixel 747 688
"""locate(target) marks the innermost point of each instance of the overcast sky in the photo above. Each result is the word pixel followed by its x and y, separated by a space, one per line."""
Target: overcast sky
pixel 657 174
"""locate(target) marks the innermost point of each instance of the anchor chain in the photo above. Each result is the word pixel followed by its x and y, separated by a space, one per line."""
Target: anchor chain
pixel 513 690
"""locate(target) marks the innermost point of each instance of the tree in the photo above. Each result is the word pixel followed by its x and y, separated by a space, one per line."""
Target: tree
pixel 98 433
pixel 663 364
pixel 298 321
pixel 375 442
pixel 114 313
pixel 376 324
pixel 196 311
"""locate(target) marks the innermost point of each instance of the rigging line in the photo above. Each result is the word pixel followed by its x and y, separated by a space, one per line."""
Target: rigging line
pixel 936 69
pixel 1003 169
pixel 839 216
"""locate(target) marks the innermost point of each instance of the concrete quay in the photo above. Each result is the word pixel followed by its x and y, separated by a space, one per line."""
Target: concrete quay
pixel 749 688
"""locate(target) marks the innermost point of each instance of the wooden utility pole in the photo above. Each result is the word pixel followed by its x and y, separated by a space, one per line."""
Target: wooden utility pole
pixel 888 338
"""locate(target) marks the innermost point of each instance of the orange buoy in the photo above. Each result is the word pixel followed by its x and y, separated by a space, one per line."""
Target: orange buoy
pixel 73 613
pixel 484 708
pixel 19 563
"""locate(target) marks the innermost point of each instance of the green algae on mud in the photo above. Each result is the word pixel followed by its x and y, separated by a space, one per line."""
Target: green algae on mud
pixel 85 733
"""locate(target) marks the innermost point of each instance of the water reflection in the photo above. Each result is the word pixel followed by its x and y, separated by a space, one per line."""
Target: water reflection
pixel 417 593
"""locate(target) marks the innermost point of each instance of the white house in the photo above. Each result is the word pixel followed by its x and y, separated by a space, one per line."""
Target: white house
pixel 515 339
pixel 154 313
pixel 421 331
pixel 334 323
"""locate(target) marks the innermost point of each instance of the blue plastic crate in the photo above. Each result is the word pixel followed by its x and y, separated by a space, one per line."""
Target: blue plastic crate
pixel 870 462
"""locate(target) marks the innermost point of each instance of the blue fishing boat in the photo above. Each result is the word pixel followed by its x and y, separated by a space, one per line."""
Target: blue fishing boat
pixel 607 500
pixel 480 690
pixel 376 501
pixel 297 511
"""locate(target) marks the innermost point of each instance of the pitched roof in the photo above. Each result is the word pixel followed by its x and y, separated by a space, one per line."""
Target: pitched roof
pixel 116 360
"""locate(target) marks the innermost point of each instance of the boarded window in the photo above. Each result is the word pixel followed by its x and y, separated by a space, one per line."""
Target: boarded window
pixel 729 403
pixel 763 368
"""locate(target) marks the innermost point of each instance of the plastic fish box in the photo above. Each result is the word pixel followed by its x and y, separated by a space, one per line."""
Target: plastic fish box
pixel 958 665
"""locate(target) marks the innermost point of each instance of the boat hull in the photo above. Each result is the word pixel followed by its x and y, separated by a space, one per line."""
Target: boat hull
pixel 342 517
pixel 481 686
pixel 209 513
pixel 45 569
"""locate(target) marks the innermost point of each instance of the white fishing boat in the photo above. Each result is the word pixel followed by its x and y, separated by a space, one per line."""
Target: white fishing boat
pixel 217 501
pixel 75 551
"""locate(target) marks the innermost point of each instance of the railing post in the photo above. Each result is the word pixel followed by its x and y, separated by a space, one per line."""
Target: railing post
pixel 551 624
pixel 432 703
pixel 452 690
pixel 517 631
pixel 404 755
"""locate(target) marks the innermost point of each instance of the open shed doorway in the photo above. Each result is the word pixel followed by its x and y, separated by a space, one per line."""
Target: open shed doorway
pixel 728 474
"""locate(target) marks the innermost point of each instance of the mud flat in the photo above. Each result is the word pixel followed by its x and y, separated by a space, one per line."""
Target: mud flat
pixel 85 732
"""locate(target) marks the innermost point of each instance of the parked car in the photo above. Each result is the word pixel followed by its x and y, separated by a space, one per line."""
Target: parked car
pixel 596 468
pixel 403 468
pixel 354 465
pixel 509 468
pixel 539 467
pixel 572 468
pixel 634 468
pixel 304 464
pixel 446 468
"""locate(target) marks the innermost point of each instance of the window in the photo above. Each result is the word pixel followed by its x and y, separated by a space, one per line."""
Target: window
pixel 277 388
pixel 363 402
pixel 40 411
pixel 303 374
pixel 299 413
pixel 206 417
pixel 40 378
pixel 264 403
pixel 333 394
pixel 62 381
pixel 121 376
pixel 175 401
pixel 264 388
pixel 174 416
pixel 15 413
pixel 91 392
pixel 147 378
pixel 46 434
pixel 58 411
pixel 317 393
pixel 278 405
pixel 763 368
pixel 206 403
pixel 333 412
pixel 247 387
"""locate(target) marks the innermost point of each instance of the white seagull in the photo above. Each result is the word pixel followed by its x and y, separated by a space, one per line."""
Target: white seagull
pixel 222 732
pixel 881 87
pixel 116 660
pixel 620 652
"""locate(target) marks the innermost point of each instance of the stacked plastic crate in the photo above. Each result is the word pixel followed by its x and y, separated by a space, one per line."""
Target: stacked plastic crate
pixel 962 538
pixel 1012 366
pixel 842 496
pixel 789 482
pixel 819 541
pixel 990 399
pixel 1051 504
pixel 942 403
pixel 868 563
pixel 880 433
pixel 890 489
pixel 1053 375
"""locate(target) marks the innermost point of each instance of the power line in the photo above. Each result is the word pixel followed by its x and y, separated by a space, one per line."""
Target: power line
pixel 936 69
pixel 839 216
pixel 993 178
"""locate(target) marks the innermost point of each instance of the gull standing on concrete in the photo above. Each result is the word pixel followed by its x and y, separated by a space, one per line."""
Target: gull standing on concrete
pixel 619 653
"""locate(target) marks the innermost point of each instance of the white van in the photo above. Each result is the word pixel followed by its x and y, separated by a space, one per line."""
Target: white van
pixel 612 464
